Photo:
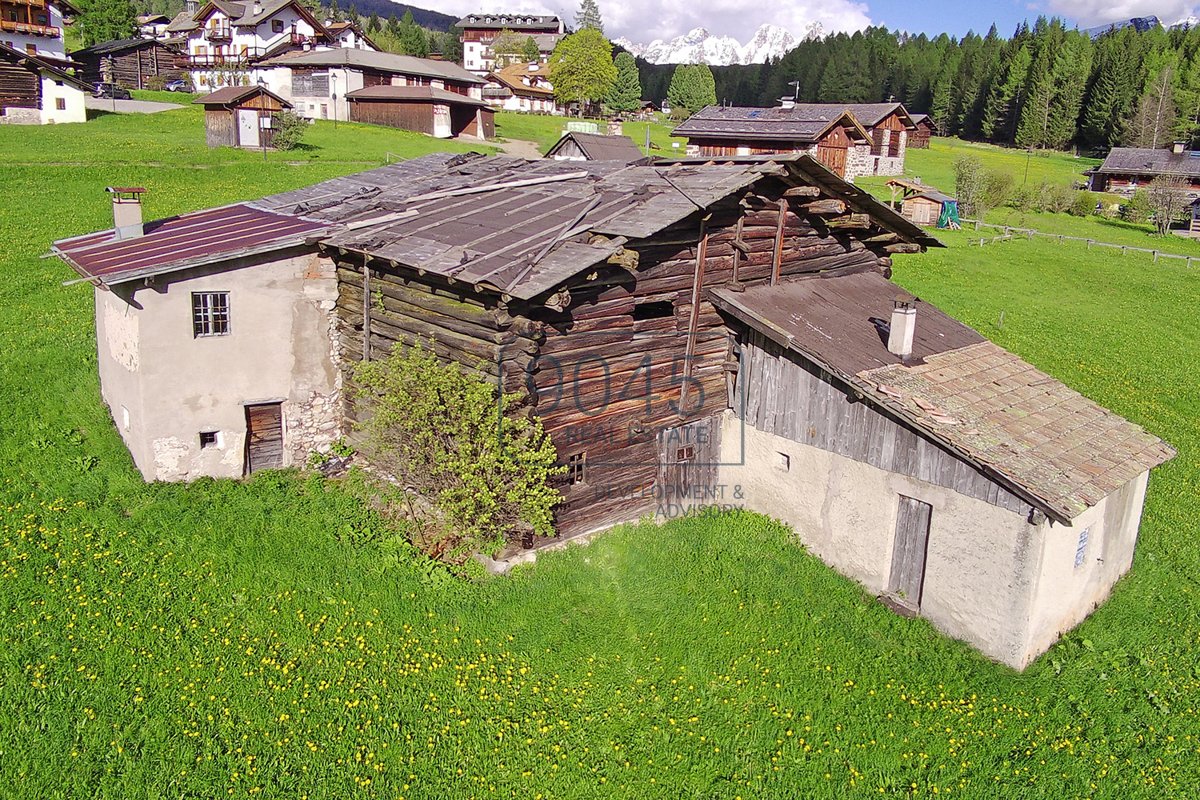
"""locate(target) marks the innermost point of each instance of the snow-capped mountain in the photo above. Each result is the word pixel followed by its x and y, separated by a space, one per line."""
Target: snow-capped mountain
pixel 698 46
pixel 1190 21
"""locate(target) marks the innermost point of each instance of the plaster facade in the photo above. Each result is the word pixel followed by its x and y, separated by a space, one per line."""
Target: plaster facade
pixel 164 385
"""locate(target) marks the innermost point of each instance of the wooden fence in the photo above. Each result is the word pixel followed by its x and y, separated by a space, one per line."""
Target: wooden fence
pixel 1010 232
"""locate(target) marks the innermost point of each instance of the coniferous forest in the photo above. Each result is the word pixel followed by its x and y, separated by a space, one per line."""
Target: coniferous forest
pixel 1047 86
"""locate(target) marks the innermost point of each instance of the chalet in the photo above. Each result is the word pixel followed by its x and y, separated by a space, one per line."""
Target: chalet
pixel 326 84
pixel 836 139
pixel 35 27
pixel 679 329
pixel 479 31
pixel 153 26
pixel 35 91
pixel 889 126
pixel 133 63
pixel 923 132
pixel 241 116
pixel 226 41
pixel 1125 169
pixel 576 146
pixel 521 87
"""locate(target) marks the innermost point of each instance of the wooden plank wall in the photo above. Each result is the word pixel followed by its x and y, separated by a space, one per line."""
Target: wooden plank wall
pixel 220 128
pixel 406 116
pixel 133 68
pixel 779 394
pixel 19 87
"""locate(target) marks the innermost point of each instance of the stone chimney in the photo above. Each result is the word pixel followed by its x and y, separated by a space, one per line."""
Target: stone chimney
pixel 904 325
pixel 1177 147
pixel 127 211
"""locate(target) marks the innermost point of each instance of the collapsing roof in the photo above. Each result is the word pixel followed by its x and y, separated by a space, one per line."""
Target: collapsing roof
pixel 502 224
pixel 1047 443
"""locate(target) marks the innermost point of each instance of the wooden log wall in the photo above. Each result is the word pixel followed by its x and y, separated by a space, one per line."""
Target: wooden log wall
pixel 19 87
pixel 610 375
pixel 134 68
pixel 395 114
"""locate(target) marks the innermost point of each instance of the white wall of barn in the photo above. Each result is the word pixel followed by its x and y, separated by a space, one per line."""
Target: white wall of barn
pixel 164 385
pixel 73 109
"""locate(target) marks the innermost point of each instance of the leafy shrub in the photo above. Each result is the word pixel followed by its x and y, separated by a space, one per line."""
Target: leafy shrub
pixel 466 467
pixel 1055 197
pixel 979 189
pixel 1023 198
pixel 1136 208
pixel 1083 205
pixel 289 129
pixel 155 83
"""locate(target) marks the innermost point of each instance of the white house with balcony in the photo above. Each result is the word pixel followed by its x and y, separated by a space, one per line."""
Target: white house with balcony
pixel 225 41
pixel 35 27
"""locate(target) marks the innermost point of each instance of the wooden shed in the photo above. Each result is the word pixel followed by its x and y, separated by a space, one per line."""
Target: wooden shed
pixel 576 146
pixel 424 109
pixel 925 130
pixel 132 63
pixel 241 116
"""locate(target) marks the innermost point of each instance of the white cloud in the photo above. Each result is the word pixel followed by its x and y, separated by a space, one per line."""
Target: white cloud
pixel 645 20
pixel 1097 12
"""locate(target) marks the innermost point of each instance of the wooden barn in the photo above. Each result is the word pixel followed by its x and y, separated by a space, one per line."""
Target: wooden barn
pixel 693 337
pixel 34 91
pixel 835 138
pixel 920 203
pixel 576 146
pixel 424 109
pixel 923 131
pixel 133 63
pixel 241 116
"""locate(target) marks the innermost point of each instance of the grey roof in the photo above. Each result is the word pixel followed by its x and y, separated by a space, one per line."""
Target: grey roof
pixel 801 123
pixel 414 93
pixel 116 46
pixel 1145 161
pixel 868 114
pixel 936 196
pixel 512 22
pixel 182 23
pixel 371 59
pixel 1051 445
pixel 599 147
pixel 228 95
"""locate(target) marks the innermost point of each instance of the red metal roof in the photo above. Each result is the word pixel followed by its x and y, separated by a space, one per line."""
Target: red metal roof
pixel 173 242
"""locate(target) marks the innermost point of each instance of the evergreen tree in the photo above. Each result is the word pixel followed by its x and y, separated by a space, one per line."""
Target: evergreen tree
pixel 581 68
pixel 105 20
pixel 373 23
pixel 692 88
pixel 626 94
pixel 530 51
pixel 1155 119
pixel 411 37
pixel 1008 95
pixel 589 16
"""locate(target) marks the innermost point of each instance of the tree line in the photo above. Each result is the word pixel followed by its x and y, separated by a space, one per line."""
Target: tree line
pixel 1046 86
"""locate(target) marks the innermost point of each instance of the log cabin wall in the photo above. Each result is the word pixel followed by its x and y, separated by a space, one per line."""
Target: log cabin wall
pixel 19 87
pixel 415 116
pixel 133 68
pixel 609 376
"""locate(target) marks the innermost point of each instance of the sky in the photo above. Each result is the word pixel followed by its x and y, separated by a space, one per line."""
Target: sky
pixel 644 20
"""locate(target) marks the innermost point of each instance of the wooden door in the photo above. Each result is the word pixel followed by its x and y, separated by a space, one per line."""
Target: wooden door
pixel 264 437
pixel 688 460
pixel 908 554
pixel 247 127
pixel 833 157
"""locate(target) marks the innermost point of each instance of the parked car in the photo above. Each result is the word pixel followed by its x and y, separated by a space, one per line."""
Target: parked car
pixel 178 86
pixel 112 90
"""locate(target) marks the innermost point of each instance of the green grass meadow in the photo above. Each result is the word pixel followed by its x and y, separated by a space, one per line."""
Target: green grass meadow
pixel 267 638
pixel 545 130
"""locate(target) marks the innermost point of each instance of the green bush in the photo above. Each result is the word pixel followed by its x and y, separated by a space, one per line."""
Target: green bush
pixel 289 129
pixel 1083 205
pixel 467 468
pixel 1055 197
pixel 1136 208
pixel 155 83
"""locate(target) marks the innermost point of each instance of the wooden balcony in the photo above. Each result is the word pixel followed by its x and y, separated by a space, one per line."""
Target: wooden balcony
pixel 239 59
pixel 218 34
pixel 33 30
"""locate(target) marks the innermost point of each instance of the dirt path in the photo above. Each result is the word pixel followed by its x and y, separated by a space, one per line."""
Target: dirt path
pixel 520 148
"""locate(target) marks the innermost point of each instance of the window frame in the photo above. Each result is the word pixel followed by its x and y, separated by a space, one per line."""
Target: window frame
pixel 277 26
pixel 206 317
pixel 577 468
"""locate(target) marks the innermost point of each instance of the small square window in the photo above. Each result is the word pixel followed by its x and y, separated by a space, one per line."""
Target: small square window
pixel 1081 547
pixel 60 103
pixel 276 26
pixel 576 468
pixel 783 462
pixel 210 313
pixel 208 439
pixel 685 453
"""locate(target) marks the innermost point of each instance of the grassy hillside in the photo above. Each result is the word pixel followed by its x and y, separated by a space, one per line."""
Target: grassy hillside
pixel 266 638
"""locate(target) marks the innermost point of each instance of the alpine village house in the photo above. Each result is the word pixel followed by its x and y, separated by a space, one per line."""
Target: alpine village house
pixel 852 139
pixel 35 85
pixel 679 329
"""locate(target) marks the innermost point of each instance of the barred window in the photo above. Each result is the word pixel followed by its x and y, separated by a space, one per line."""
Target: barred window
pixel 576 468
pixel 210 313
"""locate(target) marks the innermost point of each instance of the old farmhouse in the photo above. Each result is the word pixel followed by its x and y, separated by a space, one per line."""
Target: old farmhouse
pixel 924 131
pixel 137 63
pixel 837 140
pixel 35 91
pixel 678 328
pixel 874 146
pixel 1127 168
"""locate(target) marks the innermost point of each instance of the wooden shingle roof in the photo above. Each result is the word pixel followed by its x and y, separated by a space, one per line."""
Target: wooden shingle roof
pixel 599 147
pixel 1042 440
pixel 796 124
pixel 1146 161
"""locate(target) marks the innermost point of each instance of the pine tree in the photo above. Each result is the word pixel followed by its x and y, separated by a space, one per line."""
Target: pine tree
pixel 589 16
pixel 411 37
pixel 1156 114
pixel 105 20
pixel 1008 95
pixel 626 94
pixel 530 51
pixel 692 88
pixel 373 23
